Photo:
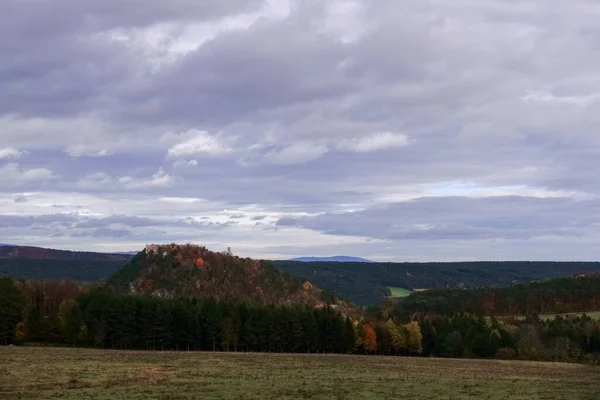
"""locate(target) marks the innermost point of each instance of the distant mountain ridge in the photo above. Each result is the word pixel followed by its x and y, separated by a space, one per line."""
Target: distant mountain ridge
pixel 332 259
pixel 29 262
pixel 40 253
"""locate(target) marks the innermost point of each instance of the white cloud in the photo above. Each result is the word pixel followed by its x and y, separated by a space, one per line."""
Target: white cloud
pixel 95 181
pixel 83 151
pixel 298 153
pixel 198 142
pixel 159 179
pixel 9 153
pixel 13 175
pixel 185 164
pixel 377 141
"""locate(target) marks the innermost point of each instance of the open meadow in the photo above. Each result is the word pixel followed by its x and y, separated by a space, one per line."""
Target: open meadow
pixel 399 292
pixel 65 373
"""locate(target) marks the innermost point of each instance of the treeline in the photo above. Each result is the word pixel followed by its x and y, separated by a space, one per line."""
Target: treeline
pixel 556 296
pixel 567 339
pixel 64 313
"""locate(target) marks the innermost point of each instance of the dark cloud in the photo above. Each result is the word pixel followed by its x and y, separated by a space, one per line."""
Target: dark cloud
pixel 460 218
pixel 20 199
pixel 111 233
pixel 18 221
pixel 130 221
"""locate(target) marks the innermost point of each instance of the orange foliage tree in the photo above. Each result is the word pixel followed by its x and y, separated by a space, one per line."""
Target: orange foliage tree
pixel 370 339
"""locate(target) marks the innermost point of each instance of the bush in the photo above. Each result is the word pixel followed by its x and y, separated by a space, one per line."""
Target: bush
pixel 506 353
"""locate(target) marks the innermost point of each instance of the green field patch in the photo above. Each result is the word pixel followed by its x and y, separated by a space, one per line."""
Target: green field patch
pixel 399 292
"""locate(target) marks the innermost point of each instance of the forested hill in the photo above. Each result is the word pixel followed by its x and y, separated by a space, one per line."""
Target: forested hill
pixel 190 271
pixel 576 294
pixel 50 264
pixel 361 283
pixel 40 253
pixel 367 284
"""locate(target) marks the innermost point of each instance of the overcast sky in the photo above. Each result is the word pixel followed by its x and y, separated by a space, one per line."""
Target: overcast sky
pixel 404 130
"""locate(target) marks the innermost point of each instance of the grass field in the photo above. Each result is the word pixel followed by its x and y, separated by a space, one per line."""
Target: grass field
pixel 399 292
pixel 53 373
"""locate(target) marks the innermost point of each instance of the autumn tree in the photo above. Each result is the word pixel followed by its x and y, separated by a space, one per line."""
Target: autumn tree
pixel 397 336
pixel 414 338
pixel 370 339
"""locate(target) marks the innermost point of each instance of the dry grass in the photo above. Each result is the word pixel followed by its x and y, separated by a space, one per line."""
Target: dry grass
pixel 52 373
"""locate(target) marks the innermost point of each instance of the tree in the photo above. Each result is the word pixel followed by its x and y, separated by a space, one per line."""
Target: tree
pixel 370 339
pixel 453 345
pixel 414 337
pixel 71 320
pixel 12 310
pixel 397 336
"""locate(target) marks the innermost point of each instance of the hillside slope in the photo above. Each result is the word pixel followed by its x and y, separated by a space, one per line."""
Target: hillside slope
pixel 171 271
pixel 49 264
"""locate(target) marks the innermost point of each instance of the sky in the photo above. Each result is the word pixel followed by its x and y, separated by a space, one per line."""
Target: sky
pixel 395 130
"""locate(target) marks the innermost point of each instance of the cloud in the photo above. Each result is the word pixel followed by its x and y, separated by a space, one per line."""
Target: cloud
pixel 81 151
pixel 185 164
pixel 342 120
pixel 459 218
pixel 94 181
pixel 10 153
pixel 378 141
pixel 14 175
pixel 298 153
pixel 21 199
pixel 197 143
pixel 159 179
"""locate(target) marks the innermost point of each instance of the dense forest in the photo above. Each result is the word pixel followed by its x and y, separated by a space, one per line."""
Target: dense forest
pixel 361 283
pixel 555 296
pixel 49 264
pixel 66 313
pixel 367 284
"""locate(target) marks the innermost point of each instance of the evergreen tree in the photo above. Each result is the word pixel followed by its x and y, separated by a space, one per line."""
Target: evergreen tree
pixel 12 310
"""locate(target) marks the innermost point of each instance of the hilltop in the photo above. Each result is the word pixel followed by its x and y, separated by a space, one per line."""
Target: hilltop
pixel 191 271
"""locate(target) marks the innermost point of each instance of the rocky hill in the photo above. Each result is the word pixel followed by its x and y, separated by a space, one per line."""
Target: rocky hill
pixel 173 270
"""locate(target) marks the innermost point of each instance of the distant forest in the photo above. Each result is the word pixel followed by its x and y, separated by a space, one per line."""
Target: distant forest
pixel 367 284
pixel 361 283
pixel 555 296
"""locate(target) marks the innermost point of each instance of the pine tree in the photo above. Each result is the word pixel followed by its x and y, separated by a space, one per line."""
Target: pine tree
pixel 12 310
